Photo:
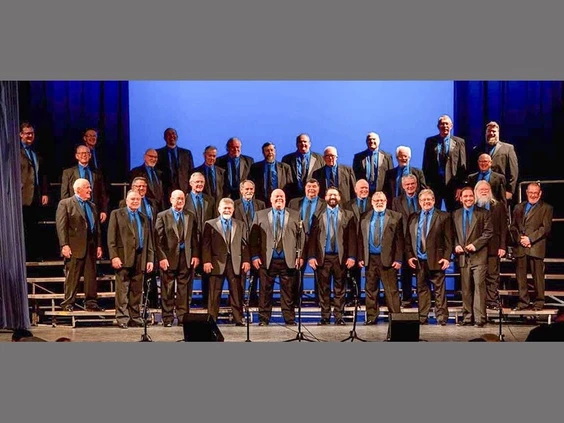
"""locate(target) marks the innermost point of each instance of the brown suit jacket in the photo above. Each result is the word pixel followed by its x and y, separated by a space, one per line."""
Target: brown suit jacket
pixel 240 214
pixel 361 161
pixel 296 204
pixel 479 233
pixel 30 192
pixel 391 182
pixel 346 181
pixel 167 238
pixel 215 249
pixel 440 238
pixel 346 237
pixel 536 225
pixel 122 241
pixel 392 238
pixel 220 175
pixel 155 190
pixel 99 195
pixel 285 180
pixel 497 183
pixel 210 211
pixel 72 226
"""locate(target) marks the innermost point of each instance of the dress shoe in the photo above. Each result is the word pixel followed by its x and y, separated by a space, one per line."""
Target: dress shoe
pixel 442 322
pixel 167 324
pixel 424 322
pixel 371 322
pixel 520 308
pixel 123 326
pixel 406 304
pixel 323 322
pixel 292 323
pixel 538 307
pixel 241 323
pixel 493 307
pixel 340 322
pixel 464 323
pixel 479 325
pixel 263 323
pixel 94 307
pixel 68 308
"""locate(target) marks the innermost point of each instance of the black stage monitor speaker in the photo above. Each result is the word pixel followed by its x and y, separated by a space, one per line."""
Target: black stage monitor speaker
pixel 200 327
pixel 404 327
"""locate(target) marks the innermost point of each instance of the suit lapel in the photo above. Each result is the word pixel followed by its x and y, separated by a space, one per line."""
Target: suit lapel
pixel 173 223
pixel 219 228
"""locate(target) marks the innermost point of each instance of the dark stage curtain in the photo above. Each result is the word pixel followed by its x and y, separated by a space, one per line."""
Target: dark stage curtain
pixel 62 110
pixel 530 115
pixel 14 313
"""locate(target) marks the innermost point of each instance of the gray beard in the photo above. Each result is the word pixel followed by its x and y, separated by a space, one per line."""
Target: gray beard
pixel 482 201
pixel 492 141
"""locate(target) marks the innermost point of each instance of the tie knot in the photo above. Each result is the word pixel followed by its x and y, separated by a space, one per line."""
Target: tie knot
pixel 426 213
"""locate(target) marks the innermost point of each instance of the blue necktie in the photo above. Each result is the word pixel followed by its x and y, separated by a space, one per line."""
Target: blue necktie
pixel 88 213
pixel 32 158
pixel 466 225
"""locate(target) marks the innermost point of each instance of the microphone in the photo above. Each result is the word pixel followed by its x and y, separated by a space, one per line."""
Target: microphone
pixel 300 225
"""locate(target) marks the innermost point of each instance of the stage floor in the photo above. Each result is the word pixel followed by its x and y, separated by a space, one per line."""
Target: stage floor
pixel 274 333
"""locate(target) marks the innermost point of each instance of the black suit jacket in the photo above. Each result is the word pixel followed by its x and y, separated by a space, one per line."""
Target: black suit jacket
pixel 392 238
pixel 497 183
pixel 240 214
pixel 346 181
pixel 210 211
pixel 220 177
pixel 391 182
pixel 361 161
pixel 186 164
pixel 315 162
pixel 399 204
pixel 504 161
pixel 154 190
pixel 99 195
pixel 500 224
pixel 284 179
pixel 245 163
pixel 353 206
pixel 296 204
pixel 456 168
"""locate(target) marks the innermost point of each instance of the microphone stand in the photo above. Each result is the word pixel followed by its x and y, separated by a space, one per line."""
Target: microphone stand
pixel 247 312
pixel 300 335
pixel 147 287
pixel 352 335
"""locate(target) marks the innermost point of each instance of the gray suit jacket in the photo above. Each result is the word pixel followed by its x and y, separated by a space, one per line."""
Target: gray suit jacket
pixel 99 195
pixel 215 248
pixel 504 161
pixel 262 237
pixel 122 241
pixel 456 168
pixel 479 233
pixel 167 244
pixel 72 226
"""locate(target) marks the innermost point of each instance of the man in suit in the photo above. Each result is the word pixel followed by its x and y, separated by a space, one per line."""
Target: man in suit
pixel 359 205
pixel 335 175
pixel 225 254
pixel 372 163
pixel 380 249
pixel 131 251
pixel 203 206
pixel 269 174
pixel 90 140
pixel 472 231
pixel 274 242
pixel 214 175
pixel 178 252
pixel 444 165
pixel 497 245
pixel 530 228
pixel 303 163
pixel 504 159
pixel 237 167
pixel 392 181
pixel 34 189
pixel 407 203
pixel 308 207
pixel 153 176
pixel 175 163
pixel 245 210
pixel 496 180
pixel 331 250
pixel 82 170
pixel 78 230
pixel 428 244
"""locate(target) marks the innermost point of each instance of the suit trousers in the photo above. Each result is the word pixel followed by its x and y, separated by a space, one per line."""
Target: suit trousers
pixel 425 278
pixel 537 270
pixel 331 267
pixel 77 267
pixel 492 281
pixel 179 300
pixel 129 292
pixel 406 278
pixel 286 276
pixel 235 292
pixel 375 272
pixel 473 280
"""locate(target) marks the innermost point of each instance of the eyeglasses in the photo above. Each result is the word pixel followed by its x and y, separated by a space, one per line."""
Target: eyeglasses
pixel 151 156
pixel 28 133
pixel 331 156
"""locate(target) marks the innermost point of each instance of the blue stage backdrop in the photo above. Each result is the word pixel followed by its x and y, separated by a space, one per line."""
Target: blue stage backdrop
pixel 338 113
